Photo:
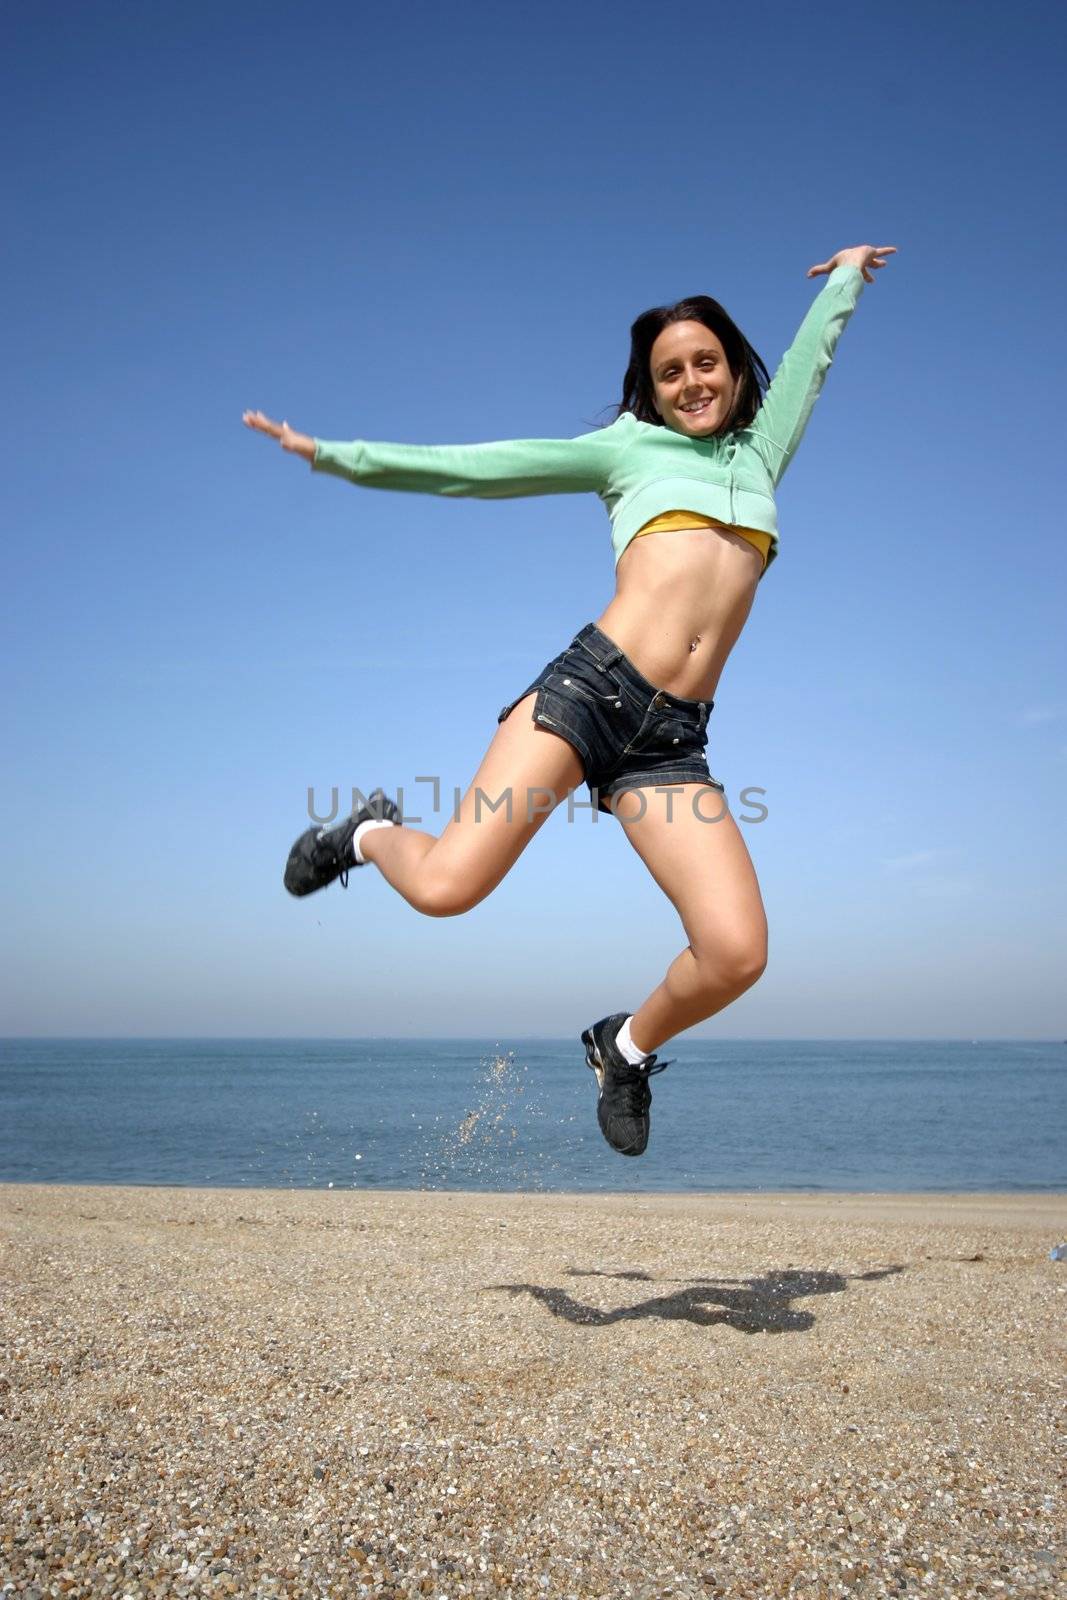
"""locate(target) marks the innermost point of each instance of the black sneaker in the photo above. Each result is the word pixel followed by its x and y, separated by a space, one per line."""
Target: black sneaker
pixel 322 854
pixel 624 1099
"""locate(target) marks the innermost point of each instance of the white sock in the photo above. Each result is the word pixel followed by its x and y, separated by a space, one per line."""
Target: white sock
pixel 363 828
pixel 626 1047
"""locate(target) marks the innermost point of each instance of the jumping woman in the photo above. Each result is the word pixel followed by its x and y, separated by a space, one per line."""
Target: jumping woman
pixel 687 472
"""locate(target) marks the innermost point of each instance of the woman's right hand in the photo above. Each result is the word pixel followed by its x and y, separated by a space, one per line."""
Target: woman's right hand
pixel 300 444
pixel 864 256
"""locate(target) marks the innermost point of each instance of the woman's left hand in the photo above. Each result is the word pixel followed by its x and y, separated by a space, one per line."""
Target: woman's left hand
pixel 301 444
pixel 863 256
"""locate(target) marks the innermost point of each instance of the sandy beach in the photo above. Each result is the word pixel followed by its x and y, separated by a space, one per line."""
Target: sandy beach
pixel 289 1393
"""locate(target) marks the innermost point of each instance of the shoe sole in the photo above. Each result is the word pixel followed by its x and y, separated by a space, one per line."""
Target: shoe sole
pixel 592 1057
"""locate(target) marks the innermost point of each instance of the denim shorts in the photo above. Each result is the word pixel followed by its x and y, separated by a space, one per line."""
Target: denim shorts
pixel 629 734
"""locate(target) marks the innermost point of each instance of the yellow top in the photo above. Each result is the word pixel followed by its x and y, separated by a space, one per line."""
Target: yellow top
pixel 670 520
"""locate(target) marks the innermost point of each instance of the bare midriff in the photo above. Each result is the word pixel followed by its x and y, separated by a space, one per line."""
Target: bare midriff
pixel 681 600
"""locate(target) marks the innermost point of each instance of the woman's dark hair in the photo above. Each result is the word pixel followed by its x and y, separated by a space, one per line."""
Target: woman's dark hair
pixel 745 365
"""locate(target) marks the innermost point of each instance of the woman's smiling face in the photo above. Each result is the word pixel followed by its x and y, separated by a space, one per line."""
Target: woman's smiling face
pixel 689 369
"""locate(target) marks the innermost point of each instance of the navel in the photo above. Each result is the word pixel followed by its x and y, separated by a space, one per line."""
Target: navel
pixel 694 644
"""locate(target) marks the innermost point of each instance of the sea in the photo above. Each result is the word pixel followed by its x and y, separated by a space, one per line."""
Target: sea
pixel 490 1115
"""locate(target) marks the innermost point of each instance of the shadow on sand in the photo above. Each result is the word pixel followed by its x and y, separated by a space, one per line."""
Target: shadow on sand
pixel 751 1305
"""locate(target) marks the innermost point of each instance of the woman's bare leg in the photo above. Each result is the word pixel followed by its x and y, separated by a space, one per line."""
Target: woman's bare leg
pixel 526 765
pixel 703 867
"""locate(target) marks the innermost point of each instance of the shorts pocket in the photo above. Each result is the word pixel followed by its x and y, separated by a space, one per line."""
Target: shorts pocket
pixel 596 688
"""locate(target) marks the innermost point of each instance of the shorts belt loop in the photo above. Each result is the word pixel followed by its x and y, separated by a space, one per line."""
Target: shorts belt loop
pixel 604 655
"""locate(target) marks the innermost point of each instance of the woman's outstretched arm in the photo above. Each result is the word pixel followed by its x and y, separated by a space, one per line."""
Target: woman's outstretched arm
pixel 507 468
pixel 779 424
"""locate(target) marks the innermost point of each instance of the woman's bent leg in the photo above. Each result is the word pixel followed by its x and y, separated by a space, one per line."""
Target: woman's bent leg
pixel 525 773
pixel 703 866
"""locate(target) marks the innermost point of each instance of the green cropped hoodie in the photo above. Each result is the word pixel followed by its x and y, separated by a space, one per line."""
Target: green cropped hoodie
pixel 639 469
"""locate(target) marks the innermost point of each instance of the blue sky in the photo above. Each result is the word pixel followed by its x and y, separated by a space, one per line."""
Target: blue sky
pixel 434 225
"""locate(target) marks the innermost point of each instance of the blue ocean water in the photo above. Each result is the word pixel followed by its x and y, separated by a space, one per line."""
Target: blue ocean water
pixel 866 1115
